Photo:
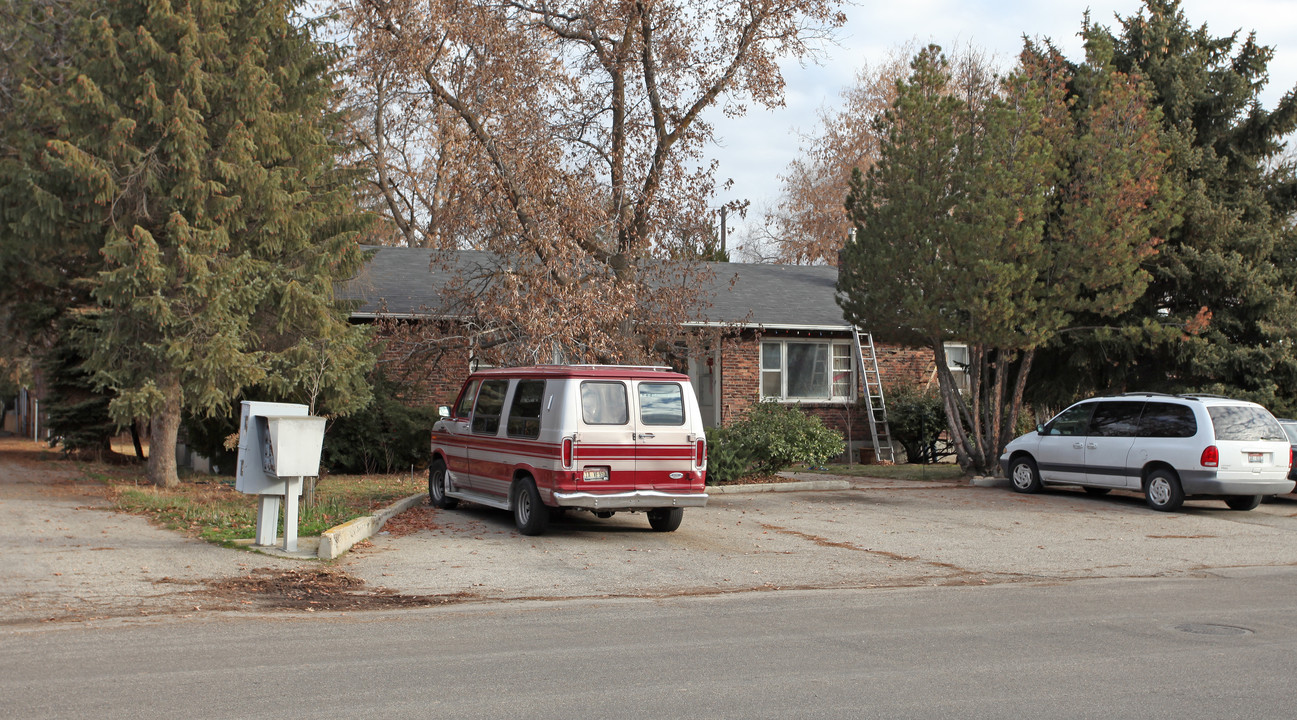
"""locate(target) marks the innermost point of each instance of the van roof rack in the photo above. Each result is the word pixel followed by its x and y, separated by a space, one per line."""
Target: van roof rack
pixel 659 368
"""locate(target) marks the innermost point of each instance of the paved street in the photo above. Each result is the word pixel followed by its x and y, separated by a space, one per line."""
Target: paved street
pixel 1210 647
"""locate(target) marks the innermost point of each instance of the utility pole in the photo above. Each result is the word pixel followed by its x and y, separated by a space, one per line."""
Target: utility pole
pixel 725 210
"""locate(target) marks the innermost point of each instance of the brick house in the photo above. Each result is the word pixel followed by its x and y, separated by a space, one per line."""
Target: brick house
pixel 772 332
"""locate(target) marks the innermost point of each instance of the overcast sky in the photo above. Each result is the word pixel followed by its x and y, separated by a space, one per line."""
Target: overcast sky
pixel 754 150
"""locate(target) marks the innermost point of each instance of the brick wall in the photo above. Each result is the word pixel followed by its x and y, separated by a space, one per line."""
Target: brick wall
pixel 741 374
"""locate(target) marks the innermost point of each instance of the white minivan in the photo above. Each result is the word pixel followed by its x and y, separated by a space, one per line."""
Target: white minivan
pixel 1170 447
pixel 602 438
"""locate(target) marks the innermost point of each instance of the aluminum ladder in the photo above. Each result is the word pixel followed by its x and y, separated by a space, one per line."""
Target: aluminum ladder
pixel 879 431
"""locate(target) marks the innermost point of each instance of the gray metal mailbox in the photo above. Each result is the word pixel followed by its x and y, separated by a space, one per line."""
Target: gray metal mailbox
pixel 279 444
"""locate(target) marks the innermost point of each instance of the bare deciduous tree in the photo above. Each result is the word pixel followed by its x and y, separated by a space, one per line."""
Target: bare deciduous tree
pixel 574 133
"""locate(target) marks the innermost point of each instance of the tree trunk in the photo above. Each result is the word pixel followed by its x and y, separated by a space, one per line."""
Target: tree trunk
pixel 162 439
pixel 135 440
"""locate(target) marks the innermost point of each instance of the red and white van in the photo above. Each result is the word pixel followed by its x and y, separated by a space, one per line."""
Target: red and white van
pixel 603 438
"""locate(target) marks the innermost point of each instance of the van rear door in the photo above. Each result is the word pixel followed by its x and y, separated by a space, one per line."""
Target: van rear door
pixel 605 446
pixel 664 438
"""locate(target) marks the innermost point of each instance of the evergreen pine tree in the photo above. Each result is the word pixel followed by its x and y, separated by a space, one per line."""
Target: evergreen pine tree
pixel 1220 310
pixel 195 143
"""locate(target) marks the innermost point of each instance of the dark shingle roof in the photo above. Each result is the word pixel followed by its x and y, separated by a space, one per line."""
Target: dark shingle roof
pixel 405 282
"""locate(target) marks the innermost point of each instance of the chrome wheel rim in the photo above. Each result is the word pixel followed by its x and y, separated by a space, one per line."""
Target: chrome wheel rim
pixel 524 506
pixel 1159 491
pixel 1022 476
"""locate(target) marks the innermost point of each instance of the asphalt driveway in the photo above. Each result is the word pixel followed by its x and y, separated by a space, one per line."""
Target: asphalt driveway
pixel 876 534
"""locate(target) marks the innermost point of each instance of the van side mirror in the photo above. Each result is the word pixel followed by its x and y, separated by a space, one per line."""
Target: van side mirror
pixel 443 412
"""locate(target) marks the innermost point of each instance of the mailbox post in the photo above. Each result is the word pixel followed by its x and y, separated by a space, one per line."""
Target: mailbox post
pixel 279 444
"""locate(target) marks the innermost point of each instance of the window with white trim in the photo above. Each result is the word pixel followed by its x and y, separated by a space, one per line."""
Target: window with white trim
pixel 957 361
pixel 809 371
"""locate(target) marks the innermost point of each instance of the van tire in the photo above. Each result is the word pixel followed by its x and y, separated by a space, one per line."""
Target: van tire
pixel 665 519
pixel 1242 502
pixel 529 514
pixel 1162 491
pixel 437 487
pixel 1023 476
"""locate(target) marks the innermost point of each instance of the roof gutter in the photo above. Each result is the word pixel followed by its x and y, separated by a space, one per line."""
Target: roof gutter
pixel 766 326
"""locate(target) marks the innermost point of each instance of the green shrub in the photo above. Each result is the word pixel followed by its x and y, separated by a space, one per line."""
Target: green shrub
pixel 385 436
pixel 727 459
pixel 916 418
pixel 770 438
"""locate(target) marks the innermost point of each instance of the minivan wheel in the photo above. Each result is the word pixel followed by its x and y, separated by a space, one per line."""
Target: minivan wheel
pixel 665 519
pixel 437 487
pixel 529 513
pixel 1243 502
pixel 1163 491
pixel 1023 476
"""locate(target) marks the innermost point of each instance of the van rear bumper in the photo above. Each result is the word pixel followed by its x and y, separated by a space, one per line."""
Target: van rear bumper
pixel 1209 482
pixel 636 500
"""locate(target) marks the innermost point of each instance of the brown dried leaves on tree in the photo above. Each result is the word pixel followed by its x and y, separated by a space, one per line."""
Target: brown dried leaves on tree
pixel 566 140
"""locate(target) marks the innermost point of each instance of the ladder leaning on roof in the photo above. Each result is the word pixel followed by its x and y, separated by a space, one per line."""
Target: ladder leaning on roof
pixel 879 430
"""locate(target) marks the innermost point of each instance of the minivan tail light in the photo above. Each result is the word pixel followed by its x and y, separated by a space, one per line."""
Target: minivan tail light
pixel 1210 457
pixel 567 453
pixel 1292 457
pixel 700 453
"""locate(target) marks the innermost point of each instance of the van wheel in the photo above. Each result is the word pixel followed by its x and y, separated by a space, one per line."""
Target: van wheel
pixel 529 513
pixel 1163 491
pixel 665 519
pixel 437 481
pixel 1023 475
pixel 1243 502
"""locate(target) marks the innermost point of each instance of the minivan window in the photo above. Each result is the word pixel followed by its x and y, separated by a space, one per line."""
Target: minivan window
pixel 524 413
pixel 1072 421
pixel 1116 419
pixel 604 403
pixel 661 404
pixel 1244 422
pixel 466 400
pixel 490 403
pixel 1167 420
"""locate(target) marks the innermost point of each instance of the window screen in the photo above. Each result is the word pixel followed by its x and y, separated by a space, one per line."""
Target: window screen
pixel 1116 418
pixel 466 400
pixel 1244 422
pixel 604 403
pixel 1167 420
pixel 524 413
pixel 1072 421
pixel 661 404
pixel 490 404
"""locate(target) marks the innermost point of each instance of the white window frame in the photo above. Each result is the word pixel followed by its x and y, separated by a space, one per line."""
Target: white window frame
pixel 780 394
pixel 958 370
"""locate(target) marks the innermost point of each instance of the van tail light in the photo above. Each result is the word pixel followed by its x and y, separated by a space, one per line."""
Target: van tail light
pixel 1292 457
pixel 567 453
pixel 700 453
pixel 1211 456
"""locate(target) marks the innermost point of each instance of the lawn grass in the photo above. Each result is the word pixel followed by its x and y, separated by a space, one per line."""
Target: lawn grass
pixel 209 507
pixel 938 471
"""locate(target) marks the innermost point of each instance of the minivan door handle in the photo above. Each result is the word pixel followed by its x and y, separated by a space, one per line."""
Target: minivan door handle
pixel 1091 446
pixel 1077 445
pixel 646 436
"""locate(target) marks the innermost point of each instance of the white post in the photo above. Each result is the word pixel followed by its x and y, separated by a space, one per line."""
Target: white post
pixel 267 519
pixel 292 488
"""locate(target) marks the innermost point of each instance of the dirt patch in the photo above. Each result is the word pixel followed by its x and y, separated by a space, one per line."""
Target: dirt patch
pixel 312 590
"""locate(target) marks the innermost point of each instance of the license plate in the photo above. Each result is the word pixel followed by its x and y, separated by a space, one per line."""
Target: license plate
pixel 1255 457
pixel 596 475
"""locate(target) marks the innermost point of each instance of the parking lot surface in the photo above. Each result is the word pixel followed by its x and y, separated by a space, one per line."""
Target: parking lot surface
pixel 877 534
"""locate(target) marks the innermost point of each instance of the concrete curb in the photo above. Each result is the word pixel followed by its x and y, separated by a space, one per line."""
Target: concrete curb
pixel 780 487
pixel 338 540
